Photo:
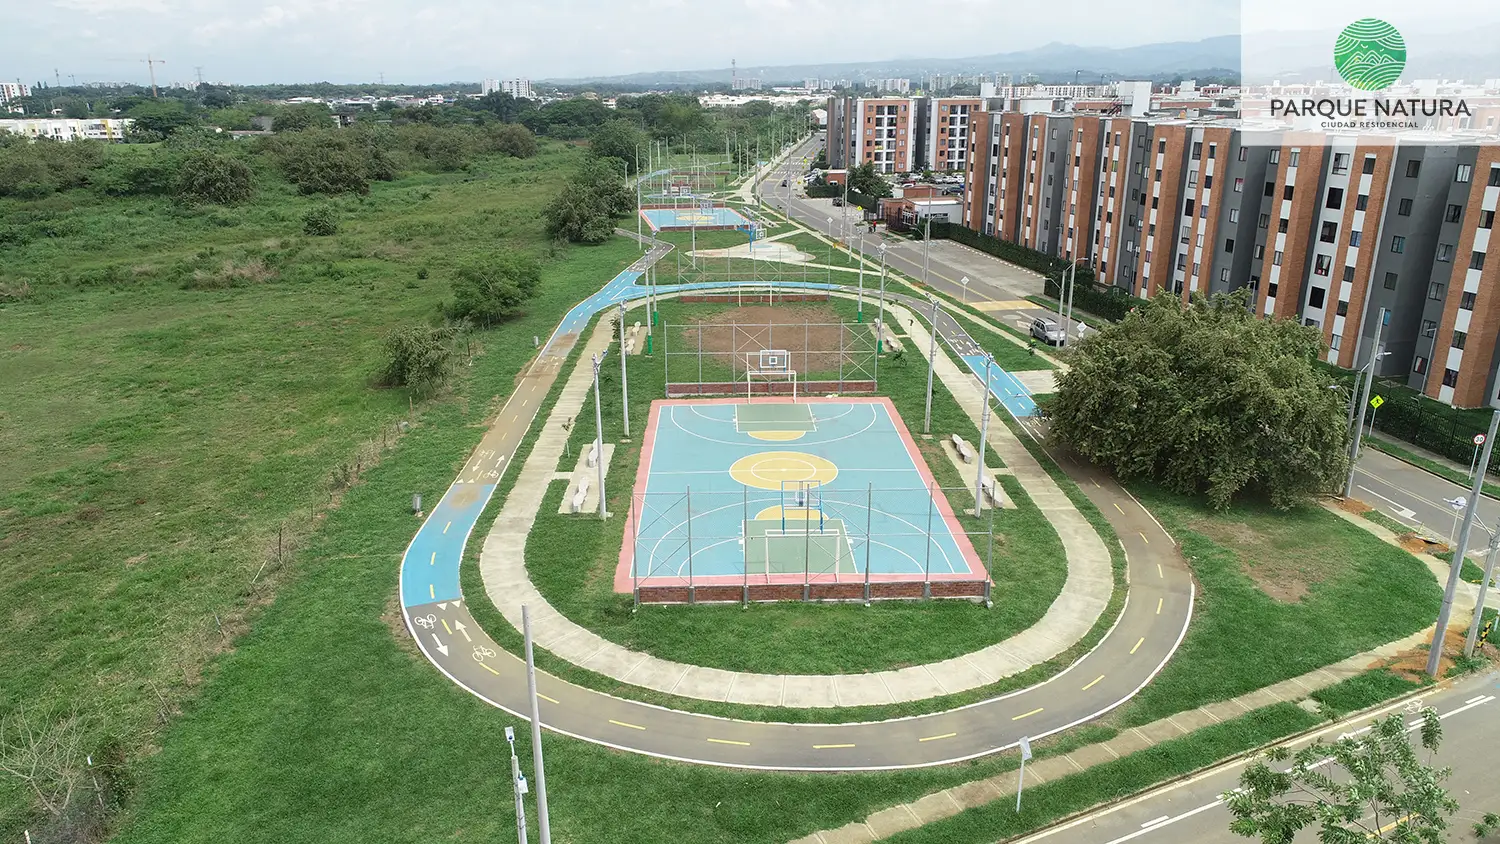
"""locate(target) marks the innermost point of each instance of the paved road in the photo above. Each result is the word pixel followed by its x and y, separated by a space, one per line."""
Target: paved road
pixel 1415 497
pixel 1149 630
pixel 1191 812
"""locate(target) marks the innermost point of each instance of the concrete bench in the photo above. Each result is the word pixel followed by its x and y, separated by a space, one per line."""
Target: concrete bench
pixel 580 495
pixel 594 454
pixel 964 450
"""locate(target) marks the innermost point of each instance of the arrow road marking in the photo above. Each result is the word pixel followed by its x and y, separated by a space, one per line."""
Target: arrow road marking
pixel 460 627
pixel 1401 512
pixel 442 648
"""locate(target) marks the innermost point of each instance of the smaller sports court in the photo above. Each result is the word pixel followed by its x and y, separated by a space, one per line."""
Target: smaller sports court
pixel 703 215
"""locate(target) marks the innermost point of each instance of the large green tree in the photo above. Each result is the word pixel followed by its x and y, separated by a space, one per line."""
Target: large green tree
pixel 206 176
pixel 493 288
pixel 868 181
pixel 1374 787
pixel 1205 399
pixel 623 140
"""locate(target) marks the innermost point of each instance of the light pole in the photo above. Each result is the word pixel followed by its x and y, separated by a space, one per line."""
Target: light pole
pixel 859 314
pixel 1365 397
pixel 518 785
pixel 1484 587
pixel 880 320
pixel 965 282
pixel 926 246
pixel 931 364
pixel 1435 654
pixel 599 430
pixel 984 432
pixel 624 389
pixel 543 824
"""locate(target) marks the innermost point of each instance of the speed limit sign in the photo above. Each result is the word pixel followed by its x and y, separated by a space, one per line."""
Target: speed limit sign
pixel 1479 439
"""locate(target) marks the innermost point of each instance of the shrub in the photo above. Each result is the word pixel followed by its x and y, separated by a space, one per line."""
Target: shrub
pixel 493 288
pixel 418 357
pixel 320 221
pixel 323 161
pixel 210 177
pixel 512 139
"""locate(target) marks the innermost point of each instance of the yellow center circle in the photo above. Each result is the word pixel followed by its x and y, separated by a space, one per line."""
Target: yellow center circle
pixel 770 469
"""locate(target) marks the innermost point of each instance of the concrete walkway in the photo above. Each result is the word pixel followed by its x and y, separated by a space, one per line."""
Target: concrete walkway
pixel 949 802
pixel 1072 614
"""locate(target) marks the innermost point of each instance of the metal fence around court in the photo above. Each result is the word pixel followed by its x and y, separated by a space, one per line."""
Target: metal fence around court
pixel 708 358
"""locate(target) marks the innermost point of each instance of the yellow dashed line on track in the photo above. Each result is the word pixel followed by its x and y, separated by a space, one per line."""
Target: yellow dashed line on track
pixel 1117 507
pixel 1143 538
pixel 1159 572
pixel 447 628
pixel 445 527
pixel 548 699
pixel 830 746
pixel 489 669
pixel 1027 714
pixel 432 591
pixel 727 741
pixel 1093 682
pixel 1096 483
pixel 1138 643
pixel 1158 605
pixel 433 561
pixel 935 738
pixel 623 724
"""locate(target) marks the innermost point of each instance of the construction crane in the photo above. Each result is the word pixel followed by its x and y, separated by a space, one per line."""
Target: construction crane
pixel 151 65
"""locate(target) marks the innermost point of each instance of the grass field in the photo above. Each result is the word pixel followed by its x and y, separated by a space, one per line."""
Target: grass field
pixel 792 638
pixel 159 442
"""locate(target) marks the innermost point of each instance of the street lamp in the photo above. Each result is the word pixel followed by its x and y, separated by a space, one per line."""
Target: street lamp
pixel 932 364
pixel 518 785
pixel 880 320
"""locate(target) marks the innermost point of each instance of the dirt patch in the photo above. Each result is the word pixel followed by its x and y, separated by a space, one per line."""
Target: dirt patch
pixel 1355 506
pixel 1412 664
pixel 1414 544
pixel 1281 572
pixel 814 336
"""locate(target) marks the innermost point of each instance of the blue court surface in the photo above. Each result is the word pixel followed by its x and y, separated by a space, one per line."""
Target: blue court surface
pixel 1005 387
pixel 688 216
pixel 776 491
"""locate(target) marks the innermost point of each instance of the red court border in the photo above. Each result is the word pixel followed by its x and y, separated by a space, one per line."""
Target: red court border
pixel 624 582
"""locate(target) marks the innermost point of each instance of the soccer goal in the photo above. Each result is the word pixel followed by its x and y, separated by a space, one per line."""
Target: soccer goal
pixel 802 548
pixel 770 367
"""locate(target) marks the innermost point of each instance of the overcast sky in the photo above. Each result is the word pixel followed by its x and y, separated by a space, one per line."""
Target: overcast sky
pixel 411 41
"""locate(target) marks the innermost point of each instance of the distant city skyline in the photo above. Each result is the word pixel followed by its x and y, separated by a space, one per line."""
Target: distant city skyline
pixel 467 40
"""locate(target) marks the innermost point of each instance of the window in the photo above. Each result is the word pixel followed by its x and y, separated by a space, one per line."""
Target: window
pixel 1296 154
pixel 1200 239
pixel 1275 156
pixel 1459 339
pixel 1476 261
pixel 1134 220
pixel 1181 262
pixel 1315 297
pixel 1323 264
pixel 1330 232
pixel 1276 258
pixel 1494 176
pixel 1361 202
pixel 1369 166
pixel 1450 378
pixel 1404 208
pixel 1335 342
pixel 1419 366
pixel 1260 251
pixel 1434 290
pixel 1155 201
pixel 1196 265
pixel 1052 156
pixel 1271 290
pixel 1486 219
pixel 1239 185
pixel 1342 309
pixel 1213 150
pixel 1454 213
pixel 1445 252
pixel 1161 145
pixel 1335 198
pixel 1197 150
pixel 1188 207
pixel 1398 243
pixel 1286 192
pixel 1390 282
pixel 1355 238
pixel 1340 163
pixel 1208 182
pixel 1464 174
pixel 1234 215
pixel 1413 167
pixel 1270 189
pixel 1244 153
pixel 1349 274
pixel 1281 225
pixel 1229 246
pixel 1265 220
pixel 1466 301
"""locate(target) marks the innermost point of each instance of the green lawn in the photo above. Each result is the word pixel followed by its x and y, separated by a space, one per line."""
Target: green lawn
pixel 1280 594
pixel 793 638
pixel 1008 355
pixel 159 443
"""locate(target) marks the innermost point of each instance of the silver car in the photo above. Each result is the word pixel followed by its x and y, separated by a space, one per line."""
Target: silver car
pixel 1048 331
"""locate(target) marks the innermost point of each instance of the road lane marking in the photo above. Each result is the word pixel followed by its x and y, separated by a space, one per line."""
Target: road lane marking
pixel 1122 512
pixel 623 724
pixel 1155 821
pixel 1092 683
pixel 1143 538
pixel 432 591
pixel 1401 512
pixel 1138 643
pixel 1159 572
pixel 489 669
pixel 445 527
pixel 1158 605
pixel 728 741
pixel 447 628
pixel 1027 714
pixel 548 699
pixel 1096 484
pixel 830 746
pixel 433 561
pixel 1475 699
pixel 935 738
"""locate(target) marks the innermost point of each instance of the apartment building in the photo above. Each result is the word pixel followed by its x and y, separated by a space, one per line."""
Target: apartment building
pixel 1325 229
pixel 13 91
pixel 68 129
pixel 943 125
pixel 879 130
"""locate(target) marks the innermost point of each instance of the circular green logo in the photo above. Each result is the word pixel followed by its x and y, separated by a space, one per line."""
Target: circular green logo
pixel 1370 54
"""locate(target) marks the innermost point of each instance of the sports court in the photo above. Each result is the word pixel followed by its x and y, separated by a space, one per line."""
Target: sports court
pixel 700 216
pixel 783 491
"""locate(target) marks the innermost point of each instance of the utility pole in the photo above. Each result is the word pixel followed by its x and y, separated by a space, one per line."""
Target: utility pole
pixel 931 364
pixel 926 246
pixel 1363 400
pixel 624 390
pixel 518 785
pixel 1484 586
pixel 151 66
pixel 544 825
pixel 599 431
pixel 984 432
pixel 1476 491
pixel 198 68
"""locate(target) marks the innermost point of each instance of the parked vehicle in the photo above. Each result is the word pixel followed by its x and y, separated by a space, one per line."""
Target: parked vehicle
pixel 1048 331
pixel 838 201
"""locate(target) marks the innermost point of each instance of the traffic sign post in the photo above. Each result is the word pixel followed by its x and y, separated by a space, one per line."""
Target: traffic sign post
pixel 1473 461
pixel 1021 778
pixel 1375 403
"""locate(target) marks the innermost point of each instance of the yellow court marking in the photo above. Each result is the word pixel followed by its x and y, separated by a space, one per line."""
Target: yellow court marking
pixel 1158 605
pixel 447 628
pixel 1093 683
pixel 432 591
pixel 728 741
pixel 623 724
pixel 548 699
pixel 830 746
pixel 489 669
pixel 778 436
pixel 935 738
pixel 1138 643
pixel 1143 538
pixel 1027 714
pixel 770 469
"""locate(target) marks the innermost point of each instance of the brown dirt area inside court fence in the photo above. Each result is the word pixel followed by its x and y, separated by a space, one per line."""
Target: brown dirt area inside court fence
pixel 815 336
